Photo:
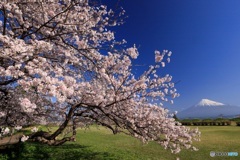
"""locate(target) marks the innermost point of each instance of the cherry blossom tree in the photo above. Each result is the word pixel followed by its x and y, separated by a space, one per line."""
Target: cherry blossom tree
pixel 60 62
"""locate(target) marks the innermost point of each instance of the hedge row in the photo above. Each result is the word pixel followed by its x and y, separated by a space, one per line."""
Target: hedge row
pixel 226 123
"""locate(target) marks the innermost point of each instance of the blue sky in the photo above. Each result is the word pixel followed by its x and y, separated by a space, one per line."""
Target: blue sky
pixel 204 37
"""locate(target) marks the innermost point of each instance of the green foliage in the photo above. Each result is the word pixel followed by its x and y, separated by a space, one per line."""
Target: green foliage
pixel 186 120
pixel 235 119
pixel 207 120
pixel 4 157
pixel 196 120
pixel 175 117
pixel 221 119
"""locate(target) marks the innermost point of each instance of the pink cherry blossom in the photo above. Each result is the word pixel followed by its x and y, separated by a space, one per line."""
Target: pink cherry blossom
pixel 61 63
pixel 24 138
pixel 132 52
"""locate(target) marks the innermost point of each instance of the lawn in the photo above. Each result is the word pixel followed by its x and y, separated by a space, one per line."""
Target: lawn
pixel 100 144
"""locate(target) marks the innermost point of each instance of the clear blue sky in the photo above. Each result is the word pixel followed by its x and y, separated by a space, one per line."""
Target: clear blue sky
pixel 204 37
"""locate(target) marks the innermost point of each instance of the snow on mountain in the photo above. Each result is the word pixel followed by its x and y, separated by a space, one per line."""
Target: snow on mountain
pixel 207 102
pixel 209 109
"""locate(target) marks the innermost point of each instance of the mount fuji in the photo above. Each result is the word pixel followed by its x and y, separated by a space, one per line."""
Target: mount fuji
pixel 209 109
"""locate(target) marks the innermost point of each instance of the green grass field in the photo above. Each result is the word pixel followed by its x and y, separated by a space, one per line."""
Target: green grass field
pixel 100 144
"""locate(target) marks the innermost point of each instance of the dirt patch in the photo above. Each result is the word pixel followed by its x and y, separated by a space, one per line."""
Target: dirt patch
pixel 10 140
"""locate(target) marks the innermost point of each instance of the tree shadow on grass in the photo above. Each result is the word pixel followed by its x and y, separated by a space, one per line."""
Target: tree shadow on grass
pixel 33 151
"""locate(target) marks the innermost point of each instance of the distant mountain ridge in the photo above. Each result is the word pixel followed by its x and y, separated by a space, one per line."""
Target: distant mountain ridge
pixel 209 109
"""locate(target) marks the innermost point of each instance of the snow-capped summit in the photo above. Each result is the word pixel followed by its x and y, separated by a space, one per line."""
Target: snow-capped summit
pixel 209 109
pixel 207 102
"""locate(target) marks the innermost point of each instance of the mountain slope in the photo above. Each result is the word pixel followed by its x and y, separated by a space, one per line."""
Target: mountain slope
pixel 209 109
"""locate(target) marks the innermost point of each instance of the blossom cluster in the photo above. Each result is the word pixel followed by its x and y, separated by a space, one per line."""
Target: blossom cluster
pixel 4 131
pixel 60 61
